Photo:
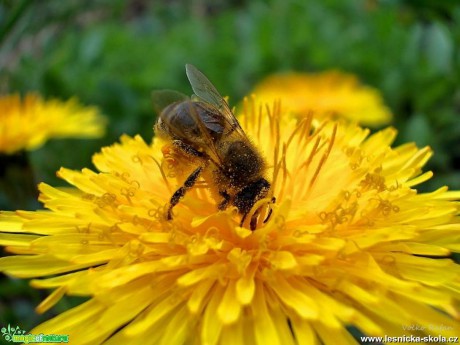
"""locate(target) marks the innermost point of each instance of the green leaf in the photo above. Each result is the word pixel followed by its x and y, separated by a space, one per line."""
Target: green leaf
pixel 418 130
pixel 439 48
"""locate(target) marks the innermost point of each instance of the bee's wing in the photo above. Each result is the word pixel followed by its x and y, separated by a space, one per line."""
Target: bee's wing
pixel 191 128
pixel 162 98
pixel 211 149
pixel 204 89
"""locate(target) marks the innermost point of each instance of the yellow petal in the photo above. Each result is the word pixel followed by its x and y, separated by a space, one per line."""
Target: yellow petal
pixel 245 288
pixel 297 300
pixel 229 308
pixel 264 325
pixel 212 325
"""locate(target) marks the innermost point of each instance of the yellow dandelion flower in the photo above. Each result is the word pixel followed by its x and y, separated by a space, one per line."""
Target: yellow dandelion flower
pixel 349 242
pixel 28 123
pixel 327 94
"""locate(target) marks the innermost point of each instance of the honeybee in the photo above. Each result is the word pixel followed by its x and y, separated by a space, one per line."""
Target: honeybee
pixel 205 133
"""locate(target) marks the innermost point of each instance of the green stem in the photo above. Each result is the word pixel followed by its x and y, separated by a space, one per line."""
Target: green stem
pixel 18 189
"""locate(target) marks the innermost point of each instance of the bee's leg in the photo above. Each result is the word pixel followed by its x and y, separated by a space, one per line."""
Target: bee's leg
pixel 253 222
pixel 224 203
pixel 243 219
pixel 178 194
pixel 271 210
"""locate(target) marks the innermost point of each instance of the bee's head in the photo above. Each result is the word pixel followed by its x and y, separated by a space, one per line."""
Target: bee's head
pixel 247 198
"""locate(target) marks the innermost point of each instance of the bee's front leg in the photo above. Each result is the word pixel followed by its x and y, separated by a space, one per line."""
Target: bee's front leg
pixel 178 194
pixel 224 203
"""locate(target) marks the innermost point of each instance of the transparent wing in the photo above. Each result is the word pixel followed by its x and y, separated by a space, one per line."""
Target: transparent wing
pixel 187 123
pixel 162 98
pixel 209 143
pixel 204 89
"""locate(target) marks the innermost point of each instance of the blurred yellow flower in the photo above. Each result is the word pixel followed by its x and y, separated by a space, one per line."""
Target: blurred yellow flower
pixel 328 94
pixel 26 124
pixel 350 242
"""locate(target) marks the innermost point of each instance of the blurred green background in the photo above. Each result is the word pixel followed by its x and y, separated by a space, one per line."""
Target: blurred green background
pixel 113 53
